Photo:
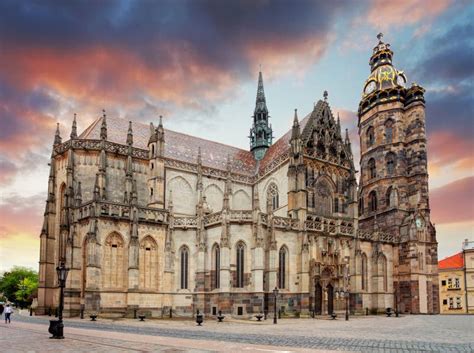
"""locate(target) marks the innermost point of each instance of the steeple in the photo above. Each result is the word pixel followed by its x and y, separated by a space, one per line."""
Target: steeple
pixel 74 128
pixel 103 127
pixel 57 136
pixel 261 133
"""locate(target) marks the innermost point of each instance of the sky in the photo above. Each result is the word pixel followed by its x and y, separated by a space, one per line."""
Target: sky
pixel 197 62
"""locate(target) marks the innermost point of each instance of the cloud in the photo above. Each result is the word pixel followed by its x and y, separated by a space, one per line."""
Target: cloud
pixel 447 149
pixel 452 203
pixel 384 14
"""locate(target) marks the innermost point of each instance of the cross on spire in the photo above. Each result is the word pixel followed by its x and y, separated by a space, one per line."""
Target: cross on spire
pixel 380 36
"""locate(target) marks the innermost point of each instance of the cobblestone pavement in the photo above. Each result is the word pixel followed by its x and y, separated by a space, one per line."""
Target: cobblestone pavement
pixel 360 334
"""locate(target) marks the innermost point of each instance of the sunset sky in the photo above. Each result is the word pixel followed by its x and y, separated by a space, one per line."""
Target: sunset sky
pixel 197 62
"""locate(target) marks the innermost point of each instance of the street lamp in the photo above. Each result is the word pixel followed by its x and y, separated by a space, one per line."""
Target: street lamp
pixel 56 326
pixel 275 294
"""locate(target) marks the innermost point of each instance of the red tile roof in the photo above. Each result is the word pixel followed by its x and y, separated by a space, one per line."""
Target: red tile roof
pixel 452 262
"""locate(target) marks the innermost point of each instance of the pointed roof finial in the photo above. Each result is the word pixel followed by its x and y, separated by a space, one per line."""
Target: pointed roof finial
pixel 347 136
pixel 295 131
pixel 130 134
pixel 57 135
pixel 161 121
pixel 325 95
pixel 229 164
pixel 338 120
pixel 379 37
pixel 103 127
pixel 74 128
pixel 295 118
pixel 199 158
pixel 260 104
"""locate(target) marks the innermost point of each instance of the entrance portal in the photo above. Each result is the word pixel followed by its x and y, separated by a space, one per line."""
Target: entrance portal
pixel 330 291
pixel 318 299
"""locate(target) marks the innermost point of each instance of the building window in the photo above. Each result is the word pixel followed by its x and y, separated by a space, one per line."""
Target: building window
pixel 148 263
pixel 361 205
pixel 184 267
pixel 458 303
pixel 372 170
pixel 389 131
pixel 151 192
pixel 450 283
pixel 282 268
pixel 390 163
pixel 336 205
pixel 443 282
pixel 153 150
pixel 373 201
pixel 457 283
pixel 370 136
pixel 240 258
pixel 272 198
pixel 451 303
pixel 217 266
pixel 445 301
pixel 114 258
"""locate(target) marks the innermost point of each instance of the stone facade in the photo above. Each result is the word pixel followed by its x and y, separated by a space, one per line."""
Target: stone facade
pixel 153 220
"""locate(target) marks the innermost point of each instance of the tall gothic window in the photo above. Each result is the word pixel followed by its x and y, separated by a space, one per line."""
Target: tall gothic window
pixel 217 267
pixel 370 136
pixel 323 198
pixel 240 259
pixel 148 263
pixel 114 258
pixel 364 272
pixel 390 159
pixel 361 205
pixel 389 131
pixel 184 254
pixel 382 268
pixel 373 201
pixel 272 197
pixel 372 170
pixel 282 268
pixel 336 205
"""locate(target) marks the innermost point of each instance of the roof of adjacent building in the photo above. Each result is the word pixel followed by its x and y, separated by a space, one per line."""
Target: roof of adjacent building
pixel 455 261
pixel 183 147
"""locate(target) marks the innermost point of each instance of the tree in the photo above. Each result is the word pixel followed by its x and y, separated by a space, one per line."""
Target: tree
pixel 19 284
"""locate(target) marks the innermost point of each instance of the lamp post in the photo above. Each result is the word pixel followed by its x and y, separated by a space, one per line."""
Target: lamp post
pixel 275 294
pixel 56 327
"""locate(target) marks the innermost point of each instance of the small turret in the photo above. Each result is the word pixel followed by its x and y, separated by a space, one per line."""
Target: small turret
pixel 156 170
pixel 74 128
pixel 103 127
pixel 57 136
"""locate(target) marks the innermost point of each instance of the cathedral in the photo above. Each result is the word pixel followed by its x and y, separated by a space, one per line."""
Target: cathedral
pixel 156 221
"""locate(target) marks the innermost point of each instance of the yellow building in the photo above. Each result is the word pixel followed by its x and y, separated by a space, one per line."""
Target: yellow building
pixel 468 259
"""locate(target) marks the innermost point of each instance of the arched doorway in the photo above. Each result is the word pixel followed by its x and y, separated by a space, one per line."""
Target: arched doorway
pixel 330 291
pixel 318 299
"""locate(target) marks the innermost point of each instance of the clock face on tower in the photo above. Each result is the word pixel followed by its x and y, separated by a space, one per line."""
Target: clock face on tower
pixel 370 87
pixel 419 222
pixel 400 80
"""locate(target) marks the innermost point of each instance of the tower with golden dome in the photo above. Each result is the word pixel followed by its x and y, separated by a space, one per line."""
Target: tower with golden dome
pixel 393 186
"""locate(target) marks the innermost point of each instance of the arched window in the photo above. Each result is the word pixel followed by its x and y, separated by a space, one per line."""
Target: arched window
pixel 389 131
pixel 361 205
pixel 370 136
pixel 390 160
pixel 336 205
pixel 153 150
pixel 217 266
pixel 364 272
pixel 372 170
pixel 184 255
pixel 240 259
pixel 272 197
pixel 282 268
pixel 151 192
pixel 114 258
pixel 148 263
pixel 373 201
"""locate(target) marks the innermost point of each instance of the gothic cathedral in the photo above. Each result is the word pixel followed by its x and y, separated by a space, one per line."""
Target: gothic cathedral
pixel 158 221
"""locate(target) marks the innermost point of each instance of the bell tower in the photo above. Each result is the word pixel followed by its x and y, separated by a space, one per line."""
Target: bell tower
pixel 393 186
pixel 261 134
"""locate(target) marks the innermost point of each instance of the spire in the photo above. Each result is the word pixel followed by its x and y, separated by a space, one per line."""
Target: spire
pixel 261 133
pixel 57 136
pixel 153 137
pixel 103 127
pixel 295 131
pixel 130 134
pixel 260 104
pixel 325 95
pixel 347 141
pixel 74 128
pixel 338 122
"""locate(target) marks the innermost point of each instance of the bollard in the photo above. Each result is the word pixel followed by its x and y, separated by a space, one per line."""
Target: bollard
pixel 366 311
pixel 82 311
pixel 31 311
pixel 171 313
pixel 135 313
pixel 199 318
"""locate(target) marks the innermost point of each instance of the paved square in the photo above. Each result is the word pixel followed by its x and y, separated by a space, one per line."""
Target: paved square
pixel 359 334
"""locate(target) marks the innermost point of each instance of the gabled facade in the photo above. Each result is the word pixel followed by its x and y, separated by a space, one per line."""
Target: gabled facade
pixel 151 219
